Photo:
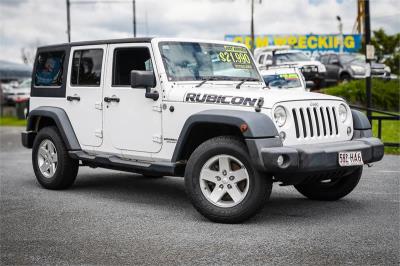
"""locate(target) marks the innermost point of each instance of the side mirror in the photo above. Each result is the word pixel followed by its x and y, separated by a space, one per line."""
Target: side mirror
pixel 310 84
pixel 144 79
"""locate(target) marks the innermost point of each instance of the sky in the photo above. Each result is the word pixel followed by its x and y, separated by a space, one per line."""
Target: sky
pixel 25 24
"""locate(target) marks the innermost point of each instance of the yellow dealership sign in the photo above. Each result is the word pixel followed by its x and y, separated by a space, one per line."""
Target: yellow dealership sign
pixel 311 42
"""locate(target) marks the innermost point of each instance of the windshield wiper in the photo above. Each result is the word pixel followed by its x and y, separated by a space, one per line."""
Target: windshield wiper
pixel 244 80
pixel 204 80
pixel 208 78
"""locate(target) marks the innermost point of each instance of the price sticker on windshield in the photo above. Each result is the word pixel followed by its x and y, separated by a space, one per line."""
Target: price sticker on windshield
pixel 238 56
pixel 291 76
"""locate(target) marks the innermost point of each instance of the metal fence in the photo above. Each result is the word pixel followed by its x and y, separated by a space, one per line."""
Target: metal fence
pixel 386 116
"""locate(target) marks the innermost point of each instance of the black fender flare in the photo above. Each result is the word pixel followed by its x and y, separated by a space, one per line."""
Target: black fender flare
pixel 360 120
pixel 361 125
pixel 259 125
pixel 60 117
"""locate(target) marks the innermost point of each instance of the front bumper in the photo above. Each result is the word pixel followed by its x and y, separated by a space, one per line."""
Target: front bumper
pixel 313 75
pixel 318 157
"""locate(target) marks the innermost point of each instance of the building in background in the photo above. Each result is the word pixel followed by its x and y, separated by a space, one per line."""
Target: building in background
pixel 10 71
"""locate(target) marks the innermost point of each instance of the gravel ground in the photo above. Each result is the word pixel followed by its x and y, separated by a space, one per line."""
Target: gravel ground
pixel 115 218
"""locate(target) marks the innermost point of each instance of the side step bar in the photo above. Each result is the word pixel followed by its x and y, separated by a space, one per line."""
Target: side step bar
pixel 116 163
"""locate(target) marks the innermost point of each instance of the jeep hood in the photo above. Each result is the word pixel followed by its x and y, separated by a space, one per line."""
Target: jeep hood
pixel 207 95
pixel 302 63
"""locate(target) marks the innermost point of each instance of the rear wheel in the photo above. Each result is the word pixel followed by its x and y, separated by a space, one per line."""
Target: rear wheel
pixel 222 183
pixel 330 190
pixel 53 167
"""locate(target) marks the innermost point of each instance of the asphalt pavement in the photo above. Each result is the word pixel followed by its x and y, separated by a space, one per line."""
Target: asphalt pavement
pixel 116 218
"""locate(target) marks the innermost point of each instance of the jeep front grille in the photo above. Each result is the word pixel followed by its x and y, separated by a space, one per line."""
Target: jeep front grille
pixel 313 122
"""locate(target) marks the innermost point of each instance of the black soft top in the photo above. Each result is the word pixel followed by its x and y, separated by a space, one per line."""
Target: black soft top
pixel 111 41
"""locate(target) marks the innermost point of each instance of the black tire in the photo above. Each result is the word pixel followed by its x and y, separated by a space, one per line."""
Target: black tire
pixel 330 191
pixel 259 186
pixel 66 169
pixel 345 78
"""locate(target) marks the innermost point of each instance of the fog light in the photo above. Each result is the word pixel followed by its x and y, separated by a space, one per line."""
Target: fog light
pixel 280 160
pixel 282 135
pixel 348 131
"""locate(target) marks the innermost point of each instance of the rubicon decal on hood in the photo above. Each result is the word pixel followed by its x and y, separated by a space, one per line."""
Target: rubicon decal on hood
pixel 220 99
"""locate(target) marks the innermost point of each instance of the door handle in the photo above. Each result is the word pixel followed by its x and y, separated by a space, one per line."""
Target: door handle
pixel 111 99
pixel 73 98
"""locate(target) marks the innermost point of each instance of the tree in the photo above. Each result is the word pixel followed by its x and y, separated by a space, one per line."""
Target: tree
pixel 387 47
pixel 28 53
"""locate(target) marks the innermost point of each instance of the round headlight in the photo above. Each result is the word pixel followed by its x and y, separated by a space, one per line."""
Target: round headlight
pixel 342 112
pixel 280 116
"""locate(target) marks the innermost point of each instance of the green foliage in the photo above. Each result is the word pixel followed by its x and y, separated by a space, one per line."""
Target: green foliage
pixel 385 94
pixel 390 133
pixel 12 121
pixel 384 43
pixel 387 46
pixel 394 63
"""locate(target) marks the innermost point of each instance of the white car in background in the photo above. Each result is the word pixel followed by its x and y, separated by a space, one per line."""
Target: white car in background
pixel 312 70
pixel 289 78
pixel 18 93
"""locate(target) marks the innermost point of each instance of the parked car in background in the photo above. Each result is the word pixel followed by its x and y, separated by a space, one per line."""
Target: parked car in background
pixel 345 67
pixel 285 78
pixel 17 93
pixel 282 55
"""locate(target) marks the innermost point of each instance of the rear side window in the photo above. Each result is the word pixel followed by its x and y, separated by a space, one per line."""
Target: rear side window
pixel 333 58
pixel 86 67
pixel 49 69
pixel 324 59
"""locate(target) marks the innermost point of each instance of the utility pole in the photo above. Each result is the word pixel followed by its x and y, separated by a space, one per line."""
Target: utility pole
pixel 252 27
pixel 340 26
pixel 93 2
pixel 367 28
pixel 68 21
pixel 134 17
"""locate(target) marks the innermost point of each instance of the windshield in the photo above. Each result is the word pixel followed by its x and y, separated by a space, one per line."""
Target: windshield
pixel 282 81
pixel 345 58
pixel 26 83
pixel 291 57
pixel 203 61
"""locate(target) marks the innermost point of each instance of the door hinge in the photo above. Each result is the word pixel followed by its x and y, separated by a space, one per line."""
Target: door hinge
pixel 157 138
pixel 157 108
pixel 98 105
pixel 99 133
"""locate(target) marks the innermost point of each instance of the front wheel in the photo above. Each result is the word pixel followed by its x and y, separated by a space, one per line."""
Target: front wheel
pixel 332 189
pixel 223 184
pixel 53 167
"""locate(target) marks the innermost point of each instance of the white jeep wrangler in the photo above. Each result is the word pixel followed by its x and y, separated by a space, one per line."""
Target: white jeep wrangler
pixel 197 109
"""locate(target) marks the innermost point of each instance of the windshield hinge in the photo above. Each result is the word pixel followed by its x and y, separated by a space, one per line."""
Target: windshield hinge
pixel 99 133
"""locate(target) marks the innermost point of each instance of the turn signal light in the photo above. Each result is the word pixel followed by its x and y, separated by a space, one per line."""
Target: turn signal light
pixel 243 127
